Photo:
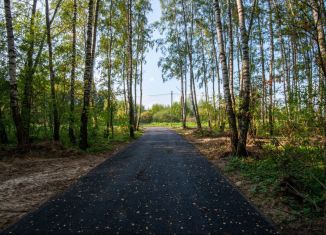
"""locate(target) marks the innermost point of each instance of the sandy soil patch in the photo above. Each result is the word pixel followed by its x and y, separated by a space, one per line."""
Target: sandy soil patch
pixel 27 182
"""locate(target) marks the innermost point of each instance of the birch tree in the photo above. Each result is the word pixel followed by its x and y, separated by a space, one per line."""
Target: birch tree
pixel 83 144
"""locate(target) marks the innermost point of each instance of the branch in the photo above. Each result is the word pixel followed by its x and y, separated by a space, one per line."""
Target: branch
pixel 39 53
pixel 252 16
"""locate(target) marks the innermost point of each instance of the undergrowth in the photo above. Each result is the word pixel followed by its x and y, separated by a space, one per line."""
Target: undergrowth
pixel 296 174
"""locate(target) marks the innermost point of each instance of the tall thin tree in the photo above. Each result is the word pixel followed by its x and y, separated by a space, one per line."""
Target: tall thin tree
pixel 56 122
pixel 12 65
pixel 271 69
pixel 29 70
pixel 87 79
pixel 130 71
pixel 225 75
pixel 73 76
pixel 244 109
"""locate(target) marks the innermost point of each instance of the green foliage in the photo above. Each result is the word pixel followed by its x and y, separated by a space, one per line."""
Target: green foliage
pixel 161 113
pixel 111 28
pixel 205 109
pixel 156 108
pixel 171 124
pixel 146 117
pixel 165 116
pixel 296 173
pixel 102 145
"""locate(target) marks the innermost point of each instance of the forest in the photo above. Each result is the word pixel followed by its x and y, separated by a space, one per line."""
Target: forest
pixel 71 72
pixel 265 60
pixel 62 73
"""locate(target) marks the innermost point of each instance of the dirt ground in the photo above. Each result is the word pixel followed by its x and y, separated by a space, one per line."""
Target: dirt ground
pixel 28 181
pixel 217 150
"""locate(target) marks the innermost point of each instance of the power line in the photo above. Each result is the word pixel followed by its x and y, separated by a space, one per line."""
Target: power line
pixel 167 94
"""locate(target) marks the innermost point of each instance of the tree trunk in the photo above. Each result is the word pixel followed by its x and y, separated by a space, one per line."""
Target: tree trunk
pixel 3 133
pixel 109 59
pixel 286 76
pixel 56 122
pixel 217 71
pixel 322 102
pixel 182 101
pixel 271 70
pixel 21 139
pixel 87 79
pixel 214 93
pixel 244 113
pixel 29 70
pixel 94 92
pixel 205 81
pixel 225 75
pixel 295 78
pixel 135 92
pixel 185 90
pixel 231 51
pixel 189 52
pixel 72 136
pixel 140 88
pixel 136 79
pixel 239 59
pixel 263 79
pixel 284 59
pixel 321 43
pixel 309 75
pixel 130 71
pixel 207 104
pixel 93 104
pixel 28 78
pixel 125 85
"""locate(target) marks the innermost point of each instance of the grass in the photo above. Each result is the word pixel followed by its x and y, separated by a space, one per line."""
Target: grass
pixel 96 137
pixel 297 174
pixel 100 144
pixel 172 124
pixel 285 179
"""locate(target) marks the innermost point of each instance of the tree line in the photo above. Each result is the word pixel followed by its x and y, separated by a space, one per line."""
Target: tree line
pixel 73 69
pixel 265 61
pixel 64 65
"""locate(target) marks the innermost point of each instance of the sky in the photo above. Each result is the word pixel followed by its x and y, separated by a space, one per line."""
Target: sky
pixel 154 89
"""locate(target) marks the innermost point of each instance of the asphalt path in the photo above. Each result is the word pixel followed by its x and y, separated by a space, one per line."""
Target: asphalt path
pixel 160 184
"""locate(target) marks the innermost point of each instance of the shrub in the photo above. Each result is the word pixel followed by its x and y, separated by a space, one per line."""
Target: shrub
pixel 165 116
pixel 296 173
pixel 146 117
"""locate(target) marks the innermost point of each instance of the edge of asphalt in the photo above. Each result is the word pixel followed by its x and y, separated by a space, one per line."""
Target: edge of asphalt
pixel 124 149
pixel 47 201
pixel 269 220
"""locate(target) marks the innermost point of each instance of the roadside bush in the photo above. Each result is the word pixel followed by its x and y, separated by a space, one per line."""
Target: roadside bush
pixel 165 116
pixel 146 117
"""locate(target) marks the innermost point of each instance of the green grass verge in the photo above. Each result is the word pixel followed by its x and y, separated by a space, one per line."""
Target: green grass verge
pixel 102 145
pixel 296 174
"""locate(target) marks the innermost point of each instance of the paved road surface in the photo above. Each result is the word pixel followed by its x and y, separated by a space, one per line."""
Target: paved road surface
pixel 158 185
